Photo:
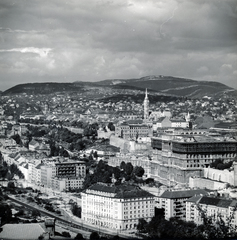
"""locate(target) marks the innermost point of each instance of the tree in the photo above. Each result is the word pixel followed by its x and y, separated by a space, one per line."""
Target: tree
pixel 116 172
pixel 66 234
pixel 79 236
pixel 138 171
pixel 95 154
pixel 76 210
pixel 215 226
pixel 142 225
pixel 5 213
pixel 94 235
pixel 35 213
pixel 41 237
pixel 128 168
pixel 15 171
pixel 3 171
pixel 17 138
pixel 122 165
pixel 11 185
pixel 20 213
pixel 111 126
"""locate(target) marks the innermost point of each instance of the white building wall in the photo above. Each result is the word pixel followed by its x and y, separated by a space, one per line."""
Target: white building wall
pixel 220 175
pixel 120 214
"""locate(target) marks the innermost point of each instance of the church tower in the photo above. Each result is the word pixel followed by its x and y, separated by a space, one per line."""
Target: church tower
pixel 146 106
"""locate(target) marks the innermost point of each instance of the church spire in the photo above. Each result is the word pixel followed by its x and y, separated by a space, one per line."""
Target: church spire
pixel 146 106
pixel 146 97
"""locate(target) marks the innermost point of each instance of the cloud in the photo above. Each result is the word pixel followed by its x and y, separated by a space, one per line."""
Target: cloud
pixel 95 40
pixel 42 52
pixel 17 30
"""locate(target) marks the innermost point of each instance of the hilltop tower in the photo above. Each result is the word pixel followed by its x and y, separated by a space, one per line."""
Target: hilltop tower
pixel 146 106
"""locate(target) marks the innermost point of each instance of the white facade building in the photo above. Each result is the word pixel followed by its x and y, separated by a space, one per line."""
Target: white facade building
pixel 213 207
pixel 174 202
pixel 116 207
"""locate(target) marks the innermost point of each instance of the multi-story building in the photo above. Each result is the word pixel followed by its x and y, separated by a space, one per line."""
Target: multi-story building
pixel 132 131
pixel 34 171
pixel 179 123
pixel 48 171
pixel 141 160
pixel 68 175
pixel 174 202
pixel 213 207
pixel 178 157
pixel 66 184
pixel 116 207
pixel 70 169
pixel 58 184
pixel 39 147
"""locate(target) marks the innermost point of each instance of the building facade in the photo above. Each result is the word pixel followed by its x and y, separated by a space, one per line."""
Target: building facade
pixel 176 158
pixel 133 131
pixel 116 207
pixel 70 169
pixel 174 202
pixel 213 207
pixel 141 160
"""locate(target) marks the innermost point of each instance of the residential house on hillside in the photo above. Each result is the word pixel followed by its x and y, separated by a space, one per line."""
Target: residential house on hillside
pixel 39 147
pixel 213 207
pixel 174 202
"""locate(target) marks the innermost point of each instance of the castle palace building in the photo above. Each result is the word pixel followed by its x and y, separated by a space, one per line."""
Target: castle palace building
pixel 116 207
pixel 176 158
pixel 133 131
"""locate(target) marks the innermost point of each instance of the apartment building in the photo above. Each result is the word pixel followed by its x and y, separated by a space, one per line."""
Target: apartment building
pixel 48 171
pixel 34 171
pixel 68 175
pixel 174 202
pixel 70 169
pixel 212 206
pixel 116 207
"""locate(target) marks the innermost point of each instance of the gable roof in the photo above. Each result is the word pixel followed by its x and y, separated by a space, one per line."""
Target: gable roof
pixel 121 191
pixel 33 143
pixel 223 203
pixel 25 231
pixel 183 193
pixel 214 201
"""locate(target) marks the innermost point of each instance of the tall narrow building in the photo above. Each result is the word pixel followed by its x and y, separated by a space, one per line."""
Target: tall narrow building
pixel 146 106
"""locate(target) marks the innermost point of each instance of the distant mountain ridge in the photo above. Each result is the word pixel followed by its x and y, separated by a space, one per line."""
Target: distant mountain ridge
pixel 173 86
pixel 165 85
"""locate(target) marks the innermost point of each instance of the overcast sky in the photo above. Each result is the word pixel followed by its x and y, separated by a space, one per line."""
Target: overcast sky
pixel 91 40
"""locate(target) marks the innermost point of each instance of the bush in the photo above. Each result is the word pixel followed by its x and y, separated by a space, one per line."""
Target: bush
pixel 79 236
pixel 66 234
pixel 94 235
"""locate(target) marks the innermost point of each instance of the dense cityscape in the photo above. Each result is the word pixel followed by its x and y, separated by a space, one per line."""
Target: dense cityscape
pixel 92 165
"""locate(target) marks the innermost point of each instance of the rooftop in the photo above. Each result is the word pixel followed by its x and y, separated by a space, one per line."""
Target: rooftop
pixel 183 193
pixel 121 191
pixel 25 231
pixel 219 202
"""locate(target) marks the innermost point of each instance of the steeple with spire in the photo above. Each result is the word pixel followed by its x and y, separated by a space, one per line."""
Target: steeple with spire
pixel 146 106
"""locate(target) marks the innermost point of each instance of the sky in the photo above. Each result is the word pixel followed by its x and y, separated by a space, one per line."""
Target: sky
pixel 92 40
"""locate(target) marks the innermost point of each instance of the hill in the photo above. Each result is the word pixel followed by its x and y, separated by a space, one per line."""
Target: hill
pixel 161 85
pixel 42 88
pixel 172 86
